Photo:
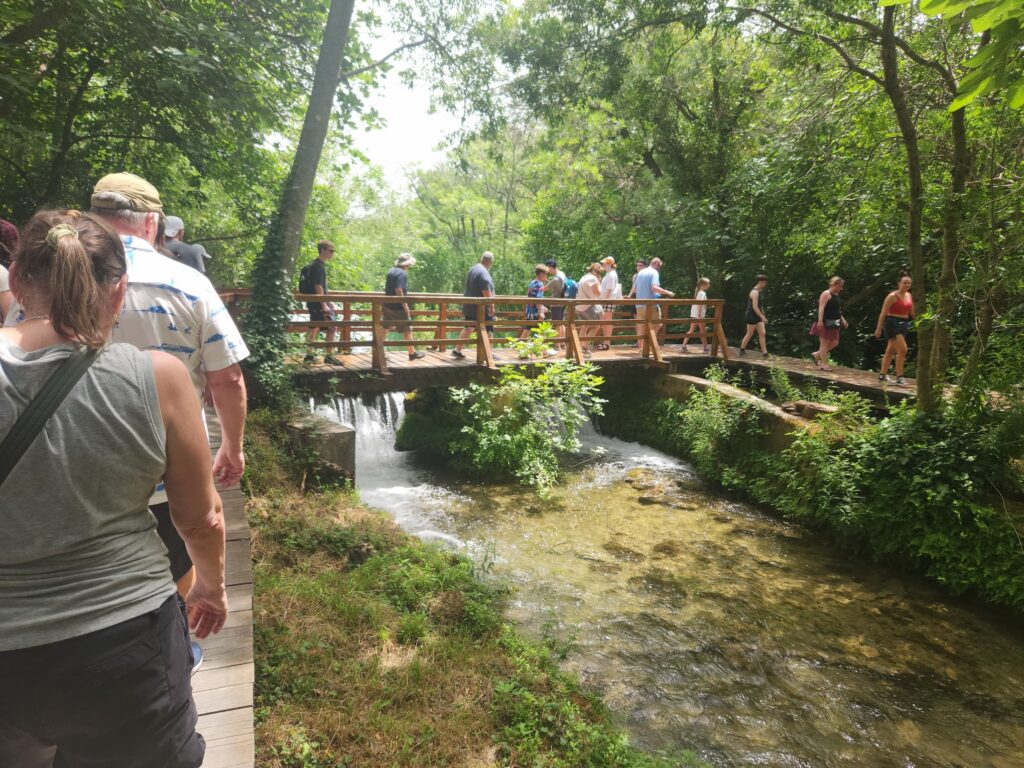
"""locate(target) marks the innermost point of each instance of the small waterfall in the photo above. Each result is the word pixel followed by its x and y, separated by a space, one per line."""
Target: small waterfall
pixel 385 478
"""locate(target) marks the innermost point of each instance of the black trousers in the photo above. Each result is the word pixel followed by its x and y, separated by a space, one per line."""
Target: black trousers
pixel 121 696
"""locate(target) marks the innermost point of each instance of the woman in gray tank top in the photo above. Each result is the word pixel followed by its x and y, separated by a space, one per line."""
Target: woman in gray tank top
pixel 94 648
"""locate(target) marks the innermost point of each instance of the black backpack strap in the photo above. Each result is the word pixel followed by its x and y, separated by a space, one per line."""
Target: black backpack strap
pixel 41 408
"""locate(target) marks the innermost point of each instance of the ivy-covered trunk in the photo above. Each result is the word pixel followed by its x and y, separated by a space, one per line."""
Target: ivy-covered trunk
pixel 265 326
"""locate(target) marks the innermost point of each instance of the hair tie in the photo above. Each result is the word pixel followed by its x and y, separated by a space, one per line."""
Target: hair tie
pixel 58 231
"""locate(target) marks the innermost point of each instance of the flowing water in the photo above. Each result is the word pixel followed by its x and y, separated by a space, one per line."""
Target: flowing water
pixel 708 624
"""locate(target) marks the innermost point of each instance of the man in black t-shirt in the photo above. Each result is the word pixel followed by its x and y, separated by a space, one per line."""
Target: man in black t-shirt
pixel 316 277
pixel 397 316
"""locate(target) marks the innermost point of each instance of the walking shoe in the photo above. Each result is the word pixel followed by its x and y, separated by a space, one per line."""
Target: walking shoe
pixel 197 657
pixel 885 378
pixel 742 351
pixel 332 360
pixel 457 353
pixel 308 360
pixel 550 352
pixel 417 355
pixel 707 349
pixel 900 381
pixel 764 354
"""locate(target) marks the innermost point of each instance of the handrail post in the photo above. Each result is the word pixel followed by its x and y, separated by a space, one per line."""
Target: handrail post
pixel 484 353
pixel 441 337
pixel 573 349
pixel 346 315
pixel 720 341
pixel 380 359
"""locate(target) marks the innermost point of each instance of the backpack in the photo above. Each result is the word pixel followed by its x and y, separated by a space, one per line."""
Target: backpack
pixel 571 288
pixel 306 280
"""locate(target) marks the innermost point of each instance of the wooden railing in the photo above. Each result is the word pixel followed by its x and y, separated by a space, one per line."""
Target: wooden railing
pixel 360 323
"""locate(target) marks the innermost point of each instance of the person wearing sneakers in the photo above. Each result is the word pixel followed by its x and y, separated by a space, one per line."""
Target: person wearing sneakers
pixel 478 285
pixel 647 285
pixel 829 322
pixel 313 279
pixel 398 316
pixel 611 289
pixel 590 288
pixel 895 320
pixel 755 317
pixel 697 314
pixel 171 307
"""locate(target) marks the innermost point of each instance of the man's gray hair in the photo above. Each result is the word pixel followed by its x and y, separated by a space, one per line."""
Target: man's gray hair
pixel 656 262
pixel 487 256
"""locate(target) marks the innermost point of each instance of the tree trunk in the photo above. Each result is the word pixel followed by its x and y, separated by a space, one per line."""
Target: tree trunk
pixel 926 396
pixel 945 306
pixel 276 264
pixel 62 140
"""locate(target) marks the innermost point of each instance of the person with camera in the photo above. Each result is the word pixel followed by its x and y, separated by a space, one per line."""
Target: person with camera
pixel 829 322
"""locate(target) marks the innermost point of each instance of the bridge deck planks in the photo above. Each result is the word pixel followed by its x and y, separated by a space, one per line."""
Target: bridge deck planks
pixel 223 686
pixel 428 371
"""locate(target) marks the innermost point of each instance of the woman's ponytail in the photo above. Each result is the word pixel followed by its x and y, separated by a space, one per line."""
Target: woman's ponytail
pixel 67 262
pixel 77 302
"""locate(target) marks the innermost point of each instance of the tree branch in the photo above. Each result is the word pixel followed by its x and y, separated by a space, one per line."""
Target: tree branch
pixel 831 43
pixel 343 76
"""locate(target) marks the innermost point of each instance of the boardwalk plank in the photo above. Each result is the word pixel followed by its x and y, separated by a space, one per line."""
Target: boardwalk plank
pixel 223 687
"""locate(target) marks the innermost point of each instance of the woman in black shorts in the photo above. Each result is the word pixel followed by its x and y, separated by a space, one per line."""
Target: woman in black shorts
pixel 896 319
pixel 756 320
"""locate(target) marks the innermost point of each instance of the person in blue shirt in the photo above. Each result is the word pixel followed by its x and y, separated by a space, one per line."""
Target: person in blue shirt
pixel 535 312
pixel 647 285
pixel 478 285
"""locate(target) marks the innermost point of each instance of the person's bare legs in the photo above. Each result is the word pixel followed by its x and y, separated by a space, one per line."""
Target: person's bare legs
pixel 748 335
pixel 761 339
pixel 890 350
pixel 821 356
pixel 464 334
pixel 607 329
pixel 900 343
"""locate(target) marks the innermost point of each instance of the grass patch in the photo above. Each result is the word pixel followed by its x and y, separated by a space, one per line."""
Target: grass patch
pixel 376 649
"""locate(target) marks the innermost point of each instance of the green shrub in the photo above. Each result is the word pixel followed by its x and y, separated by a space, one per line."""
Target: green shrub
pixel 518 428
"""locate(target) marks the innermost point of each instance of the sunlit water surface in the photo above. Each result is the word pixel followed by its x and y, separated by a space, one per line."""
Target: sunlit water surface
pixel 707 624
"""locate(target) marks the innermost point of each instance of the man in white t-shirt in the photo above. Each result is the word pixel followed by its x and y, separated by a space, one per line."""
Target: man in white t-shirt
pixel 610 289
pixel 173 308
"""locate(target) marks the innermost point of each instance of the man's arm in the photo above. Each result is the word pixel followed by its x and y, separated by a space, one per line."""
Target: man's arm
pixel 227 386
pixel 196 509
pixel 401 292
pixel 658 290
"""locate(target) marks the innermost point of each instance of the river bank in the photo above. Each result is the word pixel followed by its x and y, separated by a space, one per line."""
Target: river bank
pixel 376 648
pixel 706 622
pixel 937 494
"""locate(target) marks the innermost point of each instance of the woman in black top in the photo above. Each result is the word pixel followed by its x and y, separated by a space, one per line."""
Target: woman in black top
pixel 828 323
pixel 756 320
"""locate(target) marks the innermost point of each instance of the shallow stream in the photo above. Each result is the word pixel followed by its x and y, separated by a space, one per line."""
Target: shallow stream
pixel 710 625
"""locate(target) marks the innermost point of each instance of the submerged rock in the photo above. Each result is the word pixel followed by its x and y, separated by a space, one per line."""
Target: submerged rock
pixel 622 552
pixel 668 548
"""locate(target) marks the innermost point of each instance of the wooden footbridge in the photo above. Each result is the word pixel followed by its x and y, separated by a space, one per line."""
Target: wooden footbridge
pixel 370 354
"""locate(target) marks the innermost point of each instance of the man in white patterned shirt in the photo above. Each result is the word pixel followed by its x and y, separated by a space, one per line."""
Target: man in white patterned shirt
pixel 171 307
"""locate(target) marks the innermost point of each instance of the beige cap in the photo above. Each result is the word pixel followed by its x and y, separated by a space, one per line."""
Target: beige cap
pixel 139 194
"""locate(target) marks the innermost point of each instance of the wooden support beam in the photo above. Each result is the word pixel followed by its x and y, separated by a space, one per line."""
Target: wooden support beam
pixel 573 348
pixel 380 358
pixel 484 353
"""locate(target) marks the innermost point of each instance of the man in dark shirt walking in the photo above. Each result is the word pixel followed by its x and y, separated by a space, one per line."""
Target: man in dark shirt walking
pixel 397 316
pixel 316 282
pixel 478 285
pixel 189 255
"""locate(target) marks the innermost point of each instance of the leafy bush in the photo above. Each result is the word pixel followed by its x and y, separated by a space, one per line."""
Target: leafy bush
pixel 517 429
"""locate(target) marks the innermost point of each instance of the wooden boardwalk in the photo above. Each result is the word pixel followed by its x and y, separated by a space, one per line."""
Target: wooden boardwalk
pixel 223 686
pixel 357 373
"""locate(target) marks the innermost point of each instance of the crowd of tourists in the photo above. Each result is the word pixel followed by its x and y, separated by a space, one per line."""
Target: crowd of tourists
pixel 599 293
pixel 113 527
